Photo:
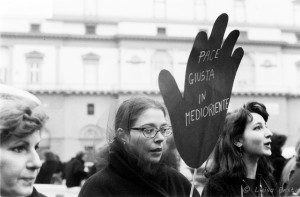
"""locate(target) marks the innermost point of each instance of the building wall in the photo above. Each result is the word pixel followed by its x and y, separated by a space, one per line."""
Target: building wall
pixel 129 52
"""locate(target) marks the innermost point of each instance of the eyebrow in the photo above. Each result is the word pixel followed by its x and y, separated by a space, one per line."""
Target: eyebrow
pixel 20 141
pixel 153 125
pixel 258 123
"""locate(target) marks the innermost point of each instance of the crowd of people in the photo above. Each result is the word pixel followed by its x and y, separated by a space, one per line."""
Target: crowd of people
pixel 247 159
pixel 141 158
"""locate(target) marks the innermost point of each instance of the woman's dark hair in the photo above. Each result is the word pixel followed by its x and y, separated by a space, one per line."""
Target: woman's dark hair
pixel 131 109
pixel 227 158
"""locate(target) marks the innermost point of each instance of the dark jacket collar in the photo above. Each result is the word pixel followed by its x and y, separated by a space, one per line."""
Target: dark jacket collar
pixel 127 166
pixel 35 193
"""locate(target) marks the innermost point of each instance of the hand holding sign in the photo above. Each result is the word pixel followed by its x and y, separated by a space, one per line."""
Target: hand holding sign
pixel 198 115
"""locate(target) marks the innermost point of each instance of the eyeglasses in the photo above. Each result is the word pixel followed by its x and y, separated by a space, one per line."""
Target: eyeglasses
pixel 150 132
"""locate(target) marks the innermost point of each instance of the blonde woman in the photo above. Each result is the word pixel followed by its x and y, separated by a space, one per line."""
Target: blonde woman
pixel 20 123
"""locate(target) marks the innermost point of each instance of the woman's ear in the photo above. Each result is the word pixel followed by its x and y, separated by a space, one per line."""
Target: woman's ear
pixel 122 135
pixel 237 141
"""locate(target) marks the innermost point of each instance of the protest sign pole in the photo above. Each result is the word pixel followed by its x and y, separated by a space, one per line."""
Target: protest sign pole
pixel 193 183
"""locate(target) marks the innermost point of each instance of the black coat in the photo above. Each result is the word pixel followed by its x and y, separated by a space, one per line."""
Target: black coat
pixel 122 178
pixel 278 162
pixel 74 172
pixel 47 170
pixel 224 186
pixel 36 194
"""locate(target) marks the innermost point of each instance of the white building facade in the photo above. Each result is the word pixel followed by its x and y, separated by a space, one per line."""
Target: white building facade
pixel 82 56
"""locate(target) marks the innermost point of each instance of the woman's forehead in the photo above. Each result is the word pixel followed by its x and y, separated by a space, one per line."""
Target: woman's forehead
pixel 33 138
pixel 256 118
pixel 151 116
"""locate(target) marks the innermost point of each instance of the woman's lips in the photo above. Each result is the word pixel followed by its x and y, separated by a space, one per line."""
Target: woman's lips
pixel 268 144
pixel 28 180
pixel 156 150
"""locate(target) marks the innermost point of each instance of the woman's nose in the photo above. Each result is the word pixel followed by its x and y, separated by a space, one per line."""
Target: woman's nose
pixel 34 161
pixel 268 133
pixel 159 137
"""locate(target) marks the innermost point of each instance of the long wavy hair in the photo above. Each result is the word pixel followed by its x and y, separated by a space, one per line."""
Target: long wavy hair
pixel 227 158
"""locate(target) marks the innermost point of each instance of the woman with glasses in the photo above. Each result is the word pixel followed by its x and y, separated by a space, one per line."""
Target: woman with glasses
pixel 135 167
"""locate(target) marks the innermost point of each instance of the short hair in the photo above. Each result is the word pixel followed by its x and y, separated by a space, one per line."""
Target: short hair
pixel 130 110
pixel 49 156
pixel 80 154
pixel 19 117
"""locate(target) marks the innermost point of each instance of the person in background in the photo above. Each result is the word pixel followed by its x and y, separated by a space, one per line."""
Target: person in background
pixel 21 121
pixel 277 160
pixel 50 169
pixel 101 160
pixel 135 167
pixel 171 156
pixel 240 166
pixel 74 170
pixel 289 168
pixel 293 185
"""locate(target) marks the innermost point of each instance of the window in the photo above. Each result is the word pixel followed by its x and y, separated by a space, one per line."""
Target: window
pixel 243 35
pixel 135 60
pixel 3 75
pixel 161 59
pixel 159 8
pixel 200 9
pixel 90 109
pixel 161 31
pixel 90 152
pixel 4 59
pixel 90 8
pixel 90 70
pixel 245 76
pixel 240 10
pixel 298 37
pixel 90 29
pixel 298 73
pixel 90 136
pixel 35 28
pixel 34 62
pixel 296 12
pixel 268 64
pixel 34 72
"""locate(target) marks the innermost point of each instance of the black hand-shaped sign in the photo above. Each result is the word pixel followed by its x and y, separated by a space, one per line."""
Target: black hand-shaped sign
pixel 198 115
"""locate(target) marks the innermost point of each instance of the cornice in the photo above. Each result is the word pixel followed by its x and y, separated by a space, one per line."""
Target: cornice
pixel 120 37
pixel 196 22
pixel 24 35
pixel 154 92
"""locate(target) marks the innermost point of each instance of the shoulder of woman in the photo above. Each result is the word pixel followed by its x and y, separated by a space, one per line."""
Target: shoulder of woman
pixel 96 185
pixel 35 193
pixel 174 174
pixel 220 185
